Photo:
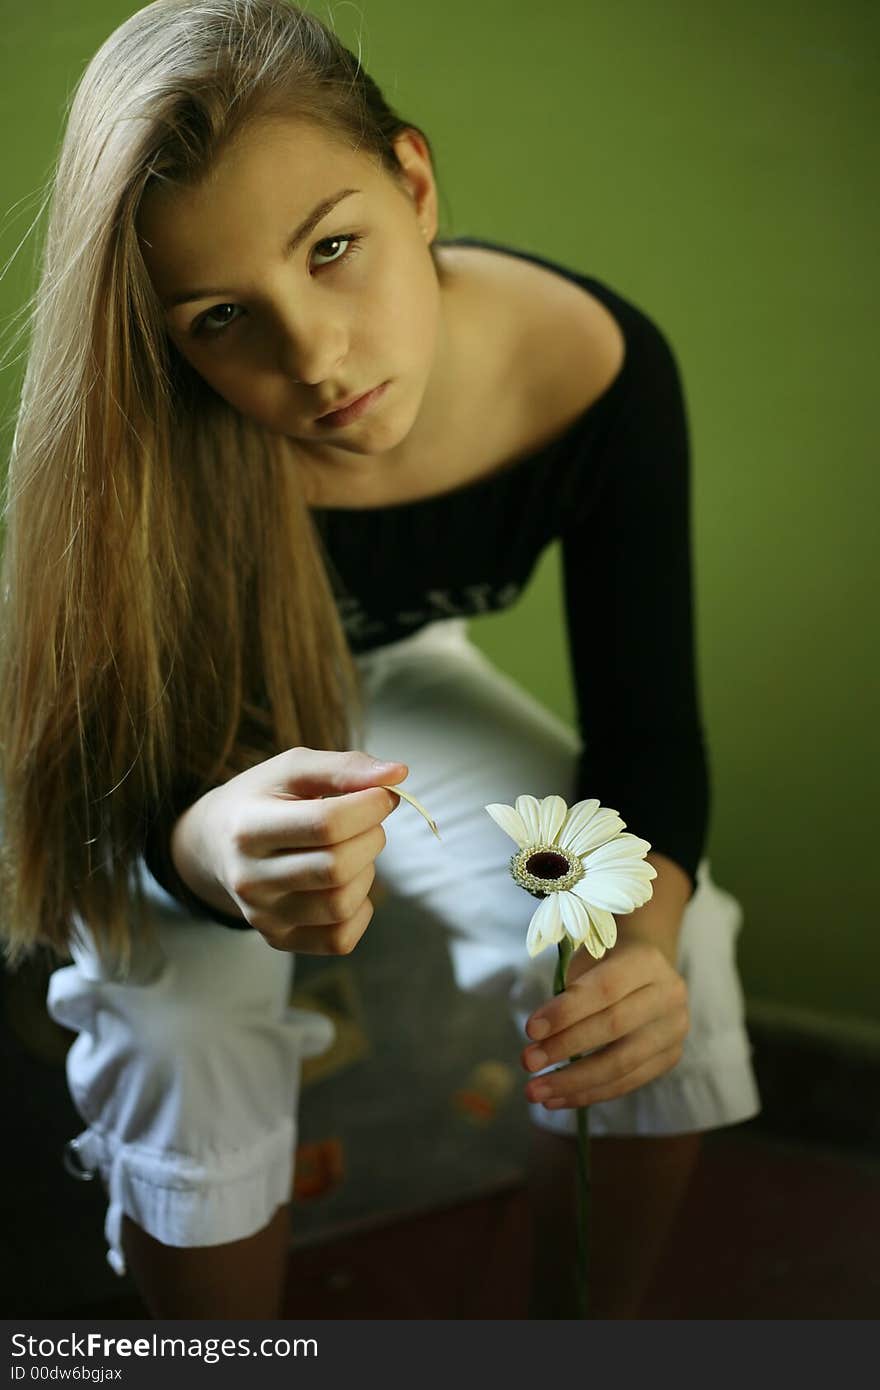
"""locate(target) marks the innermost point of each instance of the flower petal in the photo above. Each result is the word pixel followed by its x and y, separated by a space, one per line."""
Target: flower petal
pixel 575 917
pixel 617 877
pixel 595 944
pixel 546 927
pixel 589 824
pixel 529 808
pixel 604 926
pixel 553 811
pixel 587 926
pixel 510 821
pixel 612 891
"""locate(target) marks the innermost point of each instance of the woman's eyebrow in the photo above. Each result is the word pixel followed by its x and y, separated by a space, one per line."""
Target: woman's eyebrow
pixel 305 227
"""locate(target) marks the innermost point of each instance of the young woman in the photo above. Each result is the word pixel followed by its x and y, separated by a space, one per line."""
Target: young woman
pixel 224 580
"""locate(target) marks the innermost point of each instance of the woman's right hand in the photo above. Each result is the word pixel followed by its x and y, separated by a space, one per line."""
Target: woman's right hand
pixel 291 844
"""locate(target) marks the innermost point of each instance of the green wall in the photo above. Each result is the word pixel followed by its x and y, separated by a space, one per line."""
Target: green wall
pixel 713 163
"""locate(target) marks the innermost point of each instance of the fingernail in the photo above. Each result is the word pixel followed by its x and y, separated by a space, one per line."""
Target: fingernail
pixel 536 1058
pixel 538 1028
pixel 382 766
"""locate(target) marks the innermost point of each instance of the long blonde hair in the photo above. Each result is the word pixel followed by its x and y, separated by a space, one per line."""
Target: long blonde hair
pixel 167 615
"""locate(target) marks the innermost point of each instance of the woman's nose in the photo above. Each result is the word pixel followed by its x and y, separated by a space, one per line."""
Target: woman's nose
pixel 311 350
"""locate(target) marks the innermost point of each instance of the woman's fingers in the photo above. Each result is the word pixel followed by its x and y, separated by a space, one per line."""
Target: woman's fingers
pixel 598 1030
pixel 581 1088
pixel 279 823
pixel 290 841
pixel 315 772
pixel 328 907
pixel 300 878
pixel 338 939
pixel 331 867
pixel 317 870
pixel 645 1052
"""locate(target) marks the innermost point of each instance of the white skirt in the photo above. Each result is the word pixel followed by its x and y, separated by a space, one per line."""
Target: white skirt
pixel 187 1075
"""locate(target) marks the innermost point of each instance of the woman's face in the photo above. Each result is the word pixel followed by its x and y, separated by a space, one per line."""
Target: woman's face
pixel 287 306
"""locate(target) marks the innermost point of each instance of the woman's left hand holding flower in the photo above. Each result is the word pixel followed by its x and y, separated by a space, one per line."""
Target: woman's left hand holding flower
pixel 632 1005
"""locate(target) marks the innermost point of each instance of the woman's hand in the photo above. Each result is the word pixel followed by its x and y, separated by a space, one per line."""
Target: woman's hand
pixel 632 1005
pixel 291 844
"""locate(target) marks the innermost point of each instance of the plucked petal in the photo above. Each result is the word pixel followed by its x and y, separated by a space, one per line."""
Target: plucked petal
pixel 510 821
pixel 553 812
pixel 589 825
pixel 546 927
pixel 529 810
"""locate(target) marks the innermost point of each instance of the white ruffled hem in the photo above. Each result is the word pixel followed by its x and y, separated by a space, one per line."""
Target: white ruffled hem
pixel 182 1201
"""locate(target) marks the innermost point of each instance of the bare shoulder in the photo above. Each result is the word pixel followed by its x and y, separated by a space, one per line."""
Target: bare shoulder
pixel 565 347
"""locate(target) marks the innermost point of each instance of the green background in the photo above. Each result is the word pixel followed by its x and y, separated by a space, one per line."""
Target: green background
pixel 715 164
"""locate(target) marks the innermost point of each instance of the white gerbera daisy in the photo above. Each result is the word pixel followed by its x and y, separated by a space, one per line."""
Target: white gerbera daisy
pixel 580 864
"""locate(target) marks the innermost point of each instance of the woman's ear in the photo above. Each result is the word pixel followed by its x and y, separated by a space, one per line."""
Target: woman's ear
pixel 417 178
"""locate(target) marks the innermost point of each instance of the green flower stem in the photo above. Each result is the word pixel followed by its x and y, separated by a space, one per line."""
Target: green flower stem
pixel 566 949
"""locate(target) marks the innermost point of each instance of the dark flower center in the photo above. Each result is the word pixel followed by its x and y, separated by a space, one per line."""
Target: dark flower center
pixel 547 864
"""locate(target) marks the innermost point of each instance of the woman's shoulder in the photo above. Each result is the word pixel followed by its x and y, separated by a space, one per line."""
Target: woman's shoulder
pixel 588 329
pixel 567 343
pixel 578 344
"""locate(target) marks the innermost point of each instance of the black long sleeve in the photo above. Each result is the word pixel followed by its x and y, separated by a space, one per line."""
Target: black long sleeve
pixel 629 602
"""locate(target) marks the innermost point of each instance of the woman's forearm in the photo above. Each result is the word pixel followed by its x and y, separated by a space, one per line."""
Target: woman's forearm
pixel 660 919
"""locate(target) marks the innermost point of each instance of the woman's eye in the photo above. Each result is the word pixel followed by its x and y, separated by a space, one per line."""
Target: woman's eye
pixel 210 326
pixel 349 241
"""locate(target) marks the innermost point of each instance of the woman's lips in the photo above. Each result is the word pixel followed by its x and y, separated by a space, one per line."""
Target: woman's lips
pixel 336 418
